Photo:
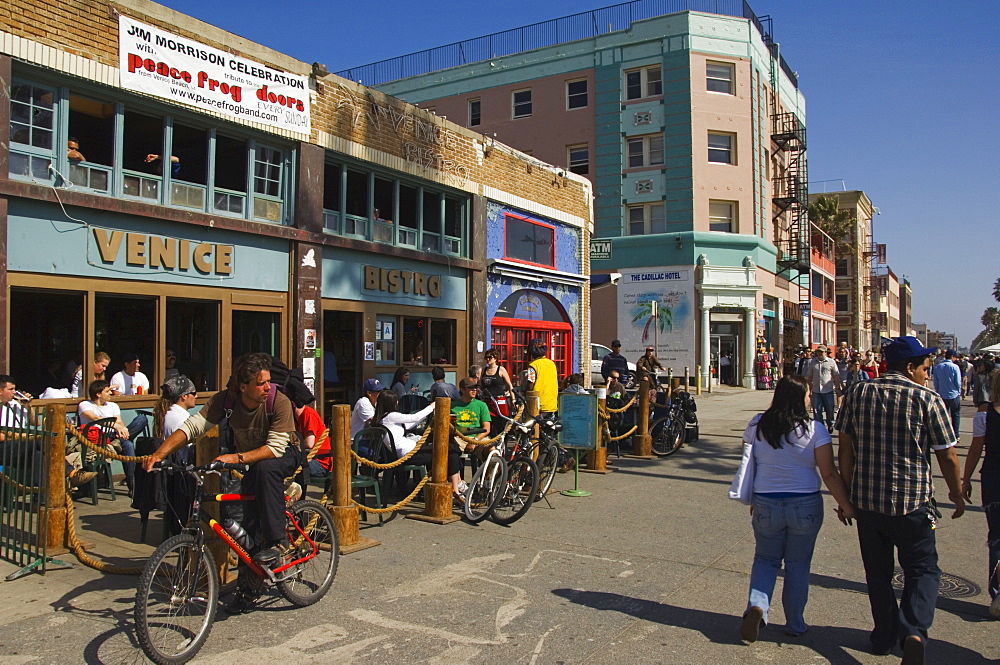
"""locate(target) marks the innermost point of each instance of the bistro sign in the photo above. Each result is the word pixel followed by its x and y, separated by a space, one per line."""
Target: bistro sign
pixel 164 253
pixel 394 281
pixel 181 70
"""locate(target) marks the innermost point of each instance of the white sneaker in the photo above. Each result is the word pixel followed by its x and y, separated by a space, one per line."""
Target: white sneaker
pixel 463 487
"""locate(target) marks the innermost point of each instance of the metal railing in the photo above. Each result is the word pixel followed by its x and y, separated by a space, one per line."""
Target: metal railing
pixel 584 25
pixel 24 453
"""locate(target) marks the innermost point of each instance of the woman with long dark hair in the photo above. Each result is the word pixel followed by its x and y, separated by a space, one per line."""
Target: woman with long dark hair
pixel 787 508
pixel 388 415
pixel 986 437
pixel 399 380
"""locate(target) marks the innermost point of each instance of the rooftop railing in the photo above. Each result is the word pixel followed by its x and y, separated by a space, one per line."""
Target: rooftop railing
pixel 584 25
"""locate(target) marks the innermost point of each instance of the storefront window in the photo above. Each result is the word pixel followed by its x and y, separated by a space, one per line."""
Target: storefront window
pixel 385 340
pixel 442 342
pixel 192 339
pixel 413 341
pixel 124 325
pixel 46 338
pixel 256 332
pixel 529 242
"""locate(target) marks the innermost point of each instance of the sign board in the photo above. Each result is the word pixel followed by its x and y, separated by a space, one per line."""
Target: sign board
pixel 184 71
pixel 672 328
pixel 600 250
pixel 578 415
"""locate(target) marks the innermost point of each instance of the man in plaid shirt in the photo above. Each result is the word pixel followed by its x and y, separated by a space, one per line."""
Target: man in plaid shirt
pixel 888 428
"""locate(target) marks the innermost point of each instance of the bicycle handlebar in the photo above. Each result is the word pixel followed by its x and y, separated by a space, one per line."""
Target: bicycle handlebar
pixel 214 465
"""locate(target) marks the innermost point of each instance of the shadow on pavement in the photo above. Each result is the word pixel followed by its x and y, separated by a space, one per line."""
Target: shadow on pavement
pixel 829 642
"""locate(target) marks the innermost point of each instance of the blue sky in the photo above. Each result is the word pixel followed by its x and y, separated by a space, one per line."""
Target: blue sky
pixel 901 98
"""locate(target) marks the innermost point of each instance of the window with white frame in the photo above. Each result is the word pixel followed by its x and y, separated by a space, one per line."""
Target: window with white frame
pixel 644 82
pixel 578 158
pixel 475 110
pixel 720 77
pixel 645 150
pixel 646 218
pixel 521 100
pixel 576 94
pixel 121 151
pixel 722 216
pixel 720 148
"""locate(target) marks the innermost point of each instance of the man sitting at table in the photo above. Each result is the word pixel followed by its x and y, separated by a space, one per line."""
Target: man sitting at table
pixel 472 416
pixel 100 406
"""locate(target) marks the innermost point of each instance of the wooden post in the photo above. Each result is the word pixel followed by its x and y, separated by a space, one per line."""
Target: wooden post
pixel 345 513
pixel 597 459
pixel 644 442
pixel 207 449
pixel 57 533
pixel 438 507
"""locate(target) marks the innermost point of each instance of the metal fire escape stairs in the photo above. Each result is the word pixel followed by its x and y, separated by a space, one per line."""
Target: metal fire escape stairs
pixel 790 205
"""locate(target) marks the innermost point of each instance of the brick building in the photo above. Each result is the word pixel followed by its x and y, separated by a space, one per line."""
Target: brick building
pixel 167 185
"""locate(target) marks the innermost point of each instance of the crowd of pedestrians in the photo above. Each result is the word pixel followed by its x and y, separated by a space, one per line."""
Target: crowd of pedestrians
pixel 896 412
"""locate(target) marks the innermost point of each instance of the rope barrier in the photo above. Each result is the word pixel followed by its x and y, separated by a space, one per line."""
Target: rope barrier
pixel 624 408
pixel 396 506
pixel 103 450
pixel 398 462
pixel 18 486
pixel 623 436
pixel 488 442
pixel 81 554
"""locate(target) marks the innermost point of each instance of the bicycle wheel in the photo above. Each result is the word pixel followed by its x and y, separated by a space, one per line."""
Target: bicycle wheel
pixel 176 600
pixel 308 581
pixel 485 488
pixel 519 491
pixel 548 459
pixel 668 436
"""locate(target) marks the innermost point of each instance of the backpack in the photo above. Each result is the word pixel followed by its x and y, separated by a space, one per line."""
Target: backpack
pixel 289 382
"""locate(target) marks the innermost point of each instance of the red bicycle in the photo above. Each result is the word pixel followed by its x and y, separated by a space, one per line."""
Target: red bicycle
pixel 178 591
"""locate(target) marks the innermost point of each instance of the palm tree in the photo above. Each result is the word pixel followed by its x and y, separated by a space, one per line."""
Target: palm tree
pixel 839 224
pixel 664 316
pixel 991 327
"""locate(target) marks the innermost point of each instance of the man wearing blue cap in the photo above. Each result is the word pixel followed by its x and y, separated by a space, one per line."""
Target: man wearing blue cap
pixel 888 426
pixel 364 408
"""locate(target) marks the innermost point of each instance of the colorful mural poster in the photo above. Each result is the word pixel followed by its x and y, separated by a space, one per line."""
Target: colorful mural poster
pixel 672 330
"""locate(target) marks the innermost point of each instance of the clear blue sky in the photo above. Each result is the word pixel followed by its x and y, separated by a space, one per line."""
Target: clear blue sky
pixel 902 99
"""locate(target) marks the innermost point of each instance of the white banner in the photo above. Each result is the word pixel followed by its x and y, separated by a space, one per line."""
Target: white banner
pixel 187 72
pixel 671 329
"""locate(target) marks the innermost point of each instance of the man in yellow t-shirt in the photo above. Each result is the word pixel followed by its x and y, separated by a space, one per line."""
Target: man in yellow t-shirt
pixel 543 378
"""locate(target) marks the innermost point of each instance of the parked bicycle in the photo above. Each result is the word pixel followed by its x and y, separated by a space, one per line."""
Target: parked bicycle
pixel 674 423
pixel 178 592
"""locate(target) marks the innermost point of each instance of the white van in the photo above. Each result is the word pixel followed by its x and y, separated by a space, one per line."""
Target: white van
pixel 597 353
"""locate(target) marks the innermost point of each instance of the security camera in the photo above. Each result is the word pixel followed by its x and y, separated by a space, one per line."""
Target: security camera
pixel 615 278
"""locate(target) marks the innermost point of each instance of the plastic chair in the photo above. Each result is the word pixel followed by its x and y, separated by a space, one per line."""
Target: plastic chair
pixel 375 450
pixel 411 403
pixel 105 435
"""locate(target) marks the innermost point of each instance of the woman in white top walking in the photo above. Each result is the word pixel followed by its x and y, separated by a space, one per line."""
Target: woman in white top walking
pixel 787 507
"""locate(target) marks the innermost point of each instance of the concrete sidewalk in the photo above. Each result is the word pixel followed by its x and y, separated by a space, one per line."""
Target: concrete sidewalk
pixel 653 568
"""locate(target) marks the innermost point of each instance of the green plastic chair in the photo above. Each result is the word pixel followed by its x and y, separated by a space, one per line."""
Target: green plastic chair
pixel 368 477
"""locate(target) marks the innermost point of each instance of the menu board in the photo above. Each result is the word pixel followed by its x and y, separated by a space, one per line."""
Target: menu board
pixel 578 414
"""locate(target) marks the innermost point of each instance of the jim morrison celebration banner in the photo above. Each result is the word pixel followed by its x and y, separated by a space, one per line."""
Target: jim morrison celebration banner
pixel 165 65
pixel 671 329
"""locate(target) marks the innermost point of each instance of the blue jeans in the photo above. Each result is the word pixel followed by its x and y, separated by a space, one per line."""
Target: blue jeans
pixel 991 503
pixel 824 402
pixel 954 406
pixel 785 530
pixel 912 535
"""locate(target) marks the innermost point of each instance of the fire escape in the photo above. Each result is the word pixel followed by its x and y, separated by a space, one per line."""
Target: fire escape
pixel 790 205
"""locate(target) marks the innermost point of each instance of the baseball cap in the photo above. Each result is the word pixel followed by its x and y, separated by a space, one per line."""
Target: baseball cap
pixel 616 342
pixel 905 347
pixel 950 353
pixel 373 386
pixel 131 357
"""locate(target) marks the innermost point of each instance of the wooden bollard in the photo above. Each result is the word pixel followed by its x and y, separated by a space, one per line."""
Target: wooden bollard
pixel 597 459
pixel 56 529
pixel 644 442
pixel 438 507
pixel 345 513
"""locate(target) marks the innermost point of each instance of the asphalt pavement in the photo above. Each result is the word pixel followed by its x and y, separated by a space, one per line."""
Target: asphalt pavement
pixel 653 567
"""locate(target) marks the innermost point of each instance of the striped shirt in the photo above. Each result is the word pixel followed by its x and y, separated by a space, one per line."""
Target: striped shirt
pixel 895 424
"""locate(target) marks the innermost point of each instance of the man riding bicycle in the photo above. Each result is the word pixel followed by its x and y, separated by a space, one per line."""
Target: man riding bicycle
pixel 262 438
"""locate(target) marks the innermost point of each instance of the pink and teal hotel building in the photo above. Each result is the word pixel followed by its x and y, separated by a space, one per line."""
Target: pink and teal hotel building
pixel 690 124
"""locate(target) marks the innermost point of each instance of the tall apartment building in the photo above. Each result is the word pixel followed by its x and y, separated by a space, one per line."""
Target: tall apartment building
pixel 167 185
pixel 885 304
pixel 906 307
pixel 822 309
pixel 854 295
pixel 691 126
